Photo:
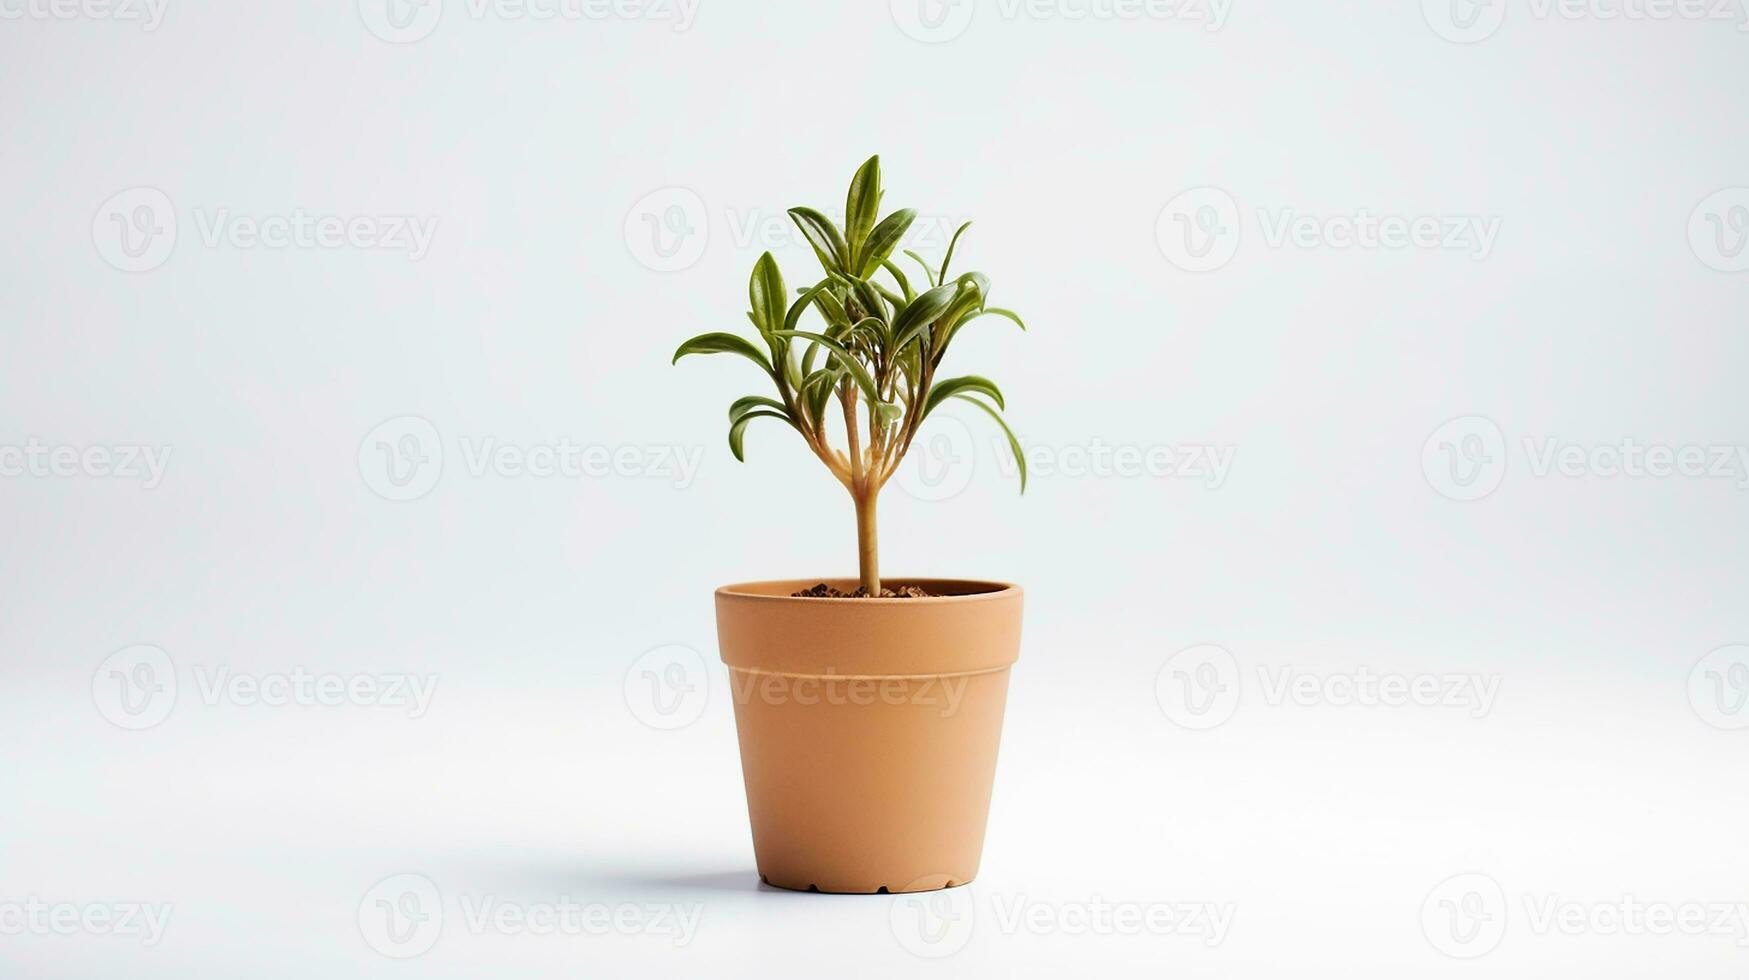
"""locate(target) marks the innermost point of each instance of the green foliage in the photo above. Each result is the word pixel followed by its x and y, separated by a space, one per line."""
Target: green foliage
pixel 876 349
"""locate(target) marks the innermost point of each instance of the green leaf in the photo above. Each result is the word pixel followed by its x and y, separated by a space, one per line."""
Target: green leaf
pixel 800 306
pixel 861 205
pixel 920 313
pixel 899 277
pixel 943 390
pixel 970 297
pixel 831 305
pixel 951 243
pixel 744 405
pixel 818 388
pixel 739 428
pixel 823 235
pixel 846 359
pixel 986 311
pixel 890 296
pixel 928 273
pixel 723 343
pixel 883 239
pixel 888 413
pixel 998 311
pixel 766 293
pixel 1013 443
pixel 870 298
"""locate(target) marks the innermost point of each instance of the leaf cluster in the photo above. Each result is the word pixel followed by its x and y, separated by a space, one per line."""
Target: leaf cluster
pixel 868 361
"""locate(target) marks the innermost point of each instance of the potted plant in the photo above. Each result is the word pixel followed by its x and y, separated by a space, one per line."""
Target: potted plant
pixel 868 710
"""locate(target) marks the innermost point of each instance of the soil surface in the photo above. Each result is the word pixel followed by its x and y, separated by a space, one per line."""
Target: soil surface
pixel 824 591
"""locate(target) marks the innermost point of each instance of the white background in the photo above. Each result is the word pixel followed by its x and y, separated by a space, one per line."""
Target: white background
pixel 547 156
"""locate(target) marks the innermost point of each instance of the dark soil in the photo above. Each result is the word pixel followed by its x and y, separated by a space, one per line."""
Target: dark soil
pixel 824 591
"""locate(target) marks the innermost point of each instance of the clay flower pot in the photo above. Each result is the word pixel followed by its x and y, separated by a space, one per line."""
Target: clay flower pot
pixel 868 728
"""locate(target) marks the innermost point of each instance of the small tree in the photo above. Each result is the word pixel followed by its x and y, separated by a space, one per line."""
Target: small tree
pixel 878 353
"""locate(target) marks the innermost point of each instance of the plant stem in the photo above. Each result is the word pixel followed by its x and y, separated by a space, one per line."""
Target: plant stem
pixel 867 556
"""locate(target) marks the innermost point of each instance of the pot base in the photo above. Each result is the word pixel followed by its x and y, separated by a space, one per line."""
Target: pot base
pixel 931 883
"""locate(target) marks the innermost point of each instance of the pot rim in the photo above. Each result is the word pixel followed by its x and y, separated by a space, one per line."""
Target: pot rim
pixel 778 591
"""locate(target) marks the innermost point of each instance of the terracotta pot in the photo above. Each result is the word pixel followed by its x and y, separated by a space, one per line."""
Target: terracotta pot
pixel 868 728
